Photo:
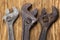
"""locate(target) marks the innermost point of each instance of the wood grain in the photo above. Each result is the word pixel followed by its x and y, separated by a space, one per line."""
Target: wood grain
pixel 54 32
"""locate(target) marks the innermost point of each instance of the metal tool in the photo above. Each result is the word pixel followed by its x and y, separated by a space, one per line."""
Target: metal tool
pixel 28 20
pixel 10 18
pixel 46 21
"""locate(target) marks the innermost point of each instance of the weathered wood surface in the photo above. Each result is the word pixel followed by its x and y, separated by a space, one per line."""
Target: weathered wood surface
pixel 54 32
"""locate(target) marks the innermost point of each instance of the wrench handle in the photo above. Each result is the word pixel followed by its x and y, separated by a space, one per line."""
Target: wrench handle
pixel 43 34
pixel 26 35
pixel 10 32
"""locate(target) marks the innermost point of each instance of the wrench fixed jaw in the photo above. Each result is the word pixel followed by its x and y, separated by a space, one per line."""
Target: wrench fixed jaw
pixel 54 15
pixel 34 12
pixel 28 20
pixel 46 20
pixel 25 8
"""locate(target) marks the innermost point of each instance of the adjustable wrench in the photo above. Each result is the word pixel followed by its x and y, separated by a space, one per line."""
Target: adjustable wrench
pixel 28 20
pixel 10 18
pixel 46 21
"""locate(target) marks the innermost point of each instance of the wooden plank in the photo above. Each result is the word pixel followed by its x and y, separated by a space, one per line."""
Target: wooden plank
pixel 53 33
pixel 2 12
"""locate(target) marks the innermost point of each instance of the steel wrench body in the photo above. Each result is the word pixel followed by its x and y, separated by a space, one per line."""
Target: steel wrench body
pixel 28 20
pixel 46 21
pixel 10 18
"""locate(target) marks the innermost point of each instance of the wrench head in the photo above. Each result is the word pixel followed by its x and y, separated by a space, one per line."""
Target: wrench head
pixel 26 8
pixel 47 19
pixel 11 17
pixel 27 16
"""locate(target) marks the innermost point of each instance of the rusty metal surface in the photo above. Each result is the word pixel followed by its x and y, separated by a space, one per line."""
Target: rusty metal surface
pixel 28 20
pixel 46 20
pixel 10 18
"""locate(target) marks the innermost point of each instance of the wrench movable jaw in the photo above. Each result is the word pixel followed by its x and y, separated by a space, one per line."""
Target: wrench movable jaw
pixel 7 11
pixel 43 12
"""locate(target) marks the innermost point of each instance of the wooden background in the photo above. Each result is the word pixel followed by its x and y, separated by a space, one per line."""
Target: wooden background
pixel 54 32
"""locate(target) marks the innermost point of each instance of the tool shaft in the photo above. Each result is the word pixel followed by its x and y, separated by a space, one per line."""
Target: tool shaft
pixel 25 32
pixel 43 34
pixel 26 35
pixel 10 32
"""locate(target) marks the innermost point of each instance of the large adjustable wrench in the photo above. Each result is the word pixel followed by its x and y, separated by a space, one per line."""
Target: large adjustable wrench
pixel 28 20
pixel 46 21
pixel 10 18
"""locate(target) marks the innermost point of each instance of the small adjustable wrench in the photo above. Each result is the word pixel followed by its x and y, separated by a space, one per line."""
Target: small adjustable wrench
pixel 28 20
pixel 46 21
pixel 10 18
